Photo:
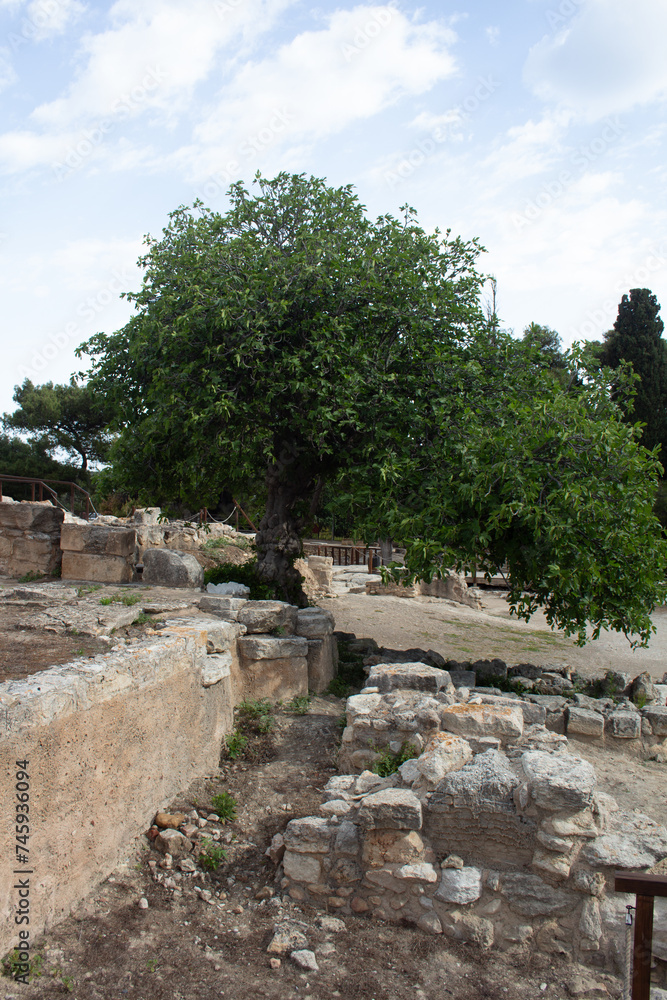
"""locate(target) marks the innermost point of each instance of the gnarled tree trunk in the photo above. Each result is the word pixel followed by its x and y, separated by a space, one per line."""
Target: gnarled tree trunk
pixel 278 539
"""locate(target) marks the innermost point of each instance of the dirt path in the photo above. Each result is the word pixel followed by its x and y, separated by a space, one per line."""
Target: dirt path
pixel 460 633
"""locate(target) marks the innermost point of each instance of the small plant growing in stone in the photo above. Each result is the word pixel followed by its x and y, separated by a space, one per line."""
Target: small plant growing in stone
pixel 279 630
pixel 224 805
pixel 212 855
pixel 142 619
pixel 30 577
pixel 388 763
pixel 152 964
pixel 235 744
pixel 299 704
pixel 12 965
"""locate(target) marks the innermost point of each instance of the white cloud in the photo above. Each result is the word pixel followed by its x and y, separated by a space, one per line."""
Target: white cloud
pixel 492 34
pixel 364 61
pixel 51 17
pixel 609 58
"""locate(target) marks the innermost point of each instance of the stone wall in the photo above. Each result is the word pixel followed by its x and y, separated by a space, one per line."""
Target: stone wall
pixel 495 833
pixel 98 552
pixel 30 538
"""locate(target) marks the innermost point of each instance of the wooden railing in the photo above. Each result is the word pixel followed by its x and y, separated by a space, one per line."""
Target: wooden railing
pixel 344 555
pixel 39 487
pixel 646 887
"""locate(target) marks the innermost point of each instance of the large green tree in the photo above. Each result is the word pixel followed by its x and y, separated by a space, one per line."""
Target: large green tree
pixel 294 335
pixel 69 417
pixel 291 334
pixel 637 338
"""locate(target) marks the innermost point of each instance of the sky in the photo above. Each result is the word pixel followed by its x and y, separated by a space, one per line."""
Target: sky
pixel 536 125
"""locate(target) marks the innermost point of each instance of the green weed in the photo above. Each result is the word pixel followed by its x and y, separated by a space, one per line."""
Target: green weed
pixel 299 704
pixel 256 716
pixel 89 589
pixel 224 805
pixel 235 744
pixel 128 599
pixel 212 855
pixel 152 964
pixel 30 577
pixel 12 966
pixel 142 619
pixel 388 762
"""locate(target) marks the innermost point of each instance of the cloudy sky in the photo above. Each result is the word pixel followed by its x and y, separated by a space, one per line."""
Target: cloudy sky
pixel 537 125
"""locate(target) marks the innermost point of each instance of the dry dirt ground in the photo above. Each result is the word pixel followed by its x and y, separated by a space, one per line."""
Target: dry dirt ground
pixel 183 948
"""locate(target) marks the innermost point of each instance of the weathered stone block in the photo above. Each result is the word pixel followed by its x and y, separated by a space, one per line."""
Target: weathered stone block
pixel 442 754
pixel 489 670
pixel 625 725
pixel 462 678
pixel 314 623
pixel 392 808
pixel 215 668
pixel 415 676
pixel 504 721
pixel 267 647
pixel 98 539
pixel 99 569
pixel 32 517
pixel 322 663
pixel 583 722
pixel 460 885
pixel 310 835
pixel 301 867
pixel 172 568
pixel 265 616
pixel 533 897
pixel 224 607
pixel 657 716
pixel 274 679
pixel 558 781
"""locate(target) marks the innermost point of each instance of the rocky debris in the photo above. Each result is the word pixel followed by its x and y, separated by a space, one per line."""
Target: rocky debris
pixel 231 589
pixel 172 568
pixel 460 885
pixel 287 937
pixel 584 722
pixel 314 623
pixel 305 959
pixel 169 821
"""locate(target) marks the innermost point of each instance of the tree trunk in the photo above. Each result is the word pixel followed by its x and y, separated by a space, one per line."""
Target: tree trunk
pixel 278 541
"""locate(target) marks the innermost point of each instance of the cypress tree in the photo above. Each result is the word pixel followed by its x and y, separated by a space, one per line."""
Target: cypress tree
pixel 637 337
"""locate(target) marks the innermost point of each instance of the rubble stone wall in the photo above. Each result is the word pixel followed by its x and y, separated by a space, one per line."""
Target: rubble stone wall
pixel 29 538
pixel 494 832
pixel 105 739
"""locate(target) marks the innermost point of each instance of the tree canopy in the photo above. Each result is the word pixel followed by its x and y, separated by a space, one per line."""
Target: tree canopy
pixel 295 335
pixel 69 417
pixel 637 338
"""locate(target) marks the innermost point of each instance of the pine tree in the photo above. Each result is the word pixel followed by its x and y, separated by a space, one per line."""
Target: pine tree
pixel 637 337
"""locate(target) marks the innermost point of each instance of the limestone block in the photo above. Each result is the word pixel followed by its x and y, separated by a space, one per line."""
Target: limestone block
pixel 172 568
pixel 310 835
pixel 32 517
pixel 460 885
pixel 215 668
pixel 322 663
pixel 417 872
pixel 643 689
pixel 99 569
pixel 267 647
pixel 221 606
pixel 551 863
pixel 265 616
pixel 590 922
pixel 283 678
pixel 504 721
pixel 173 842
pixel 314 623
pixel 442 754
pixel 558 781
pixel 430 923
pixel 584 722
pixel 98 539
pixel 391 808
pixel 625 725
pixel 657 716
pixel 286 937
pixel 32 547
pixel 382 847
pixel 347 839
pixel 468 928
pixel 533 897
pixel 487 781
pixel 632 840
pixel 416 676
pixel 301 867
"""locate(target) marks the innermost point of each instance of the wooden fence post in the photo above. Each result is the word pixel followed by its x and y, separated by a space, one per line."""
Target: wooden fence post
pixel 646 887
